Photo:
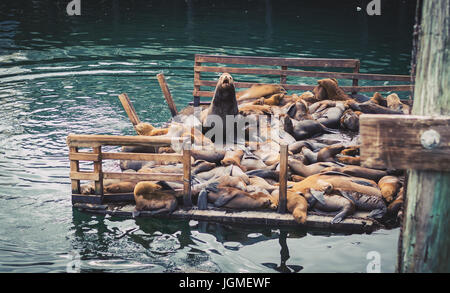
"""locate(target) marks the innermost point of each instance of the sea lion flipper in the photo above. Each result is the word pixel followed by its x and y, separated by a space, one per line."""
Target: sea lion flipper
pixel 348 196
pixel 377 214
pixel 318 195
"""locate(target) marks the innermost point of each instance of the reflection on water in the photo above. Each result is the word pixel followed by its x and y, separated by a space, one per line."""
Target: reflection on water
pixel 61 75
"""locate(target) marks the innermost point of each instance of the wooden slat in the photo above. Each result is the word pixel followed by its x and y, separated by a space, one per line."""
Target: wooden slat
pixel 275 61
pixel 321 74
pixel 81 140
pixel 86 199
pixel 167 94
pixel 169 158
pixel 83 157
pixel 187 200
pixel 197 76
pixel 283 76
pixel 355 80
pixel 74 167
pixel 282 205
pixel 84 176
pixel 394 141
pixel 129 109
pixel 144 176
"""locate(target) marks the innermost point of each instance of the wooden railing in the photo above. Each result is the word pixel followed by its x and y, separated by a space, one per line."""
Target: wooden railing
pixel 284 72
pixel 97 156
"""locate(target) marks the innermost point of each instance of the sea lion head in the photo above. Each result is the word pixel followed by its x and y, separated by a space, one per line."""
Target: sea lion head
pixel 225 81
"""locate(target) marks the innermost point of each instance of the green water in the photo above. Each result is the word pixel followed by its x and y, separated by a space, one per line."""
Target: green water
pixel 61 75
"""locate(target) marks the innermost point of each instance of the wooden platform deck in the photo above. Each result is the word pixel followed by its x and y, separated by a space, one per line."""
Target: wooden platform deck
pixel 358 223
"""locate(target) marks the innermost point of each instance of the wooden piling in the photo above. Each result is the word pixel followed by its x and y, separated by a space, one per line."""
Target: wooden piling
pixel 167 94
pixel 425 237
pixel 129 109
pixel 282 202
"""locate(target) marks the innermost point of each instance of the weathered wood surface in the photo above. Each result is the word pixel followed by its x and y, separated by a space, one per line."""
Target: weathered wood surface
pixel 129 109
pixel 187 200
pixel 394 141
pixel 74 167
pixel 282 195
pixel 80 140
pixel 167 94
pixel 425 237
pixel 144 176
pixel 351 224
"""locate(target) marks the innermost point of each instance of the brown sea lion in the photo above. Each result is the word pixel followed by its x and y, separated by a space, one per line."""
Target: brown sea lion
pixel 348 160
pixel 202 166
pixel 363 193
pixel 121 187
pixel 351 151
pixel 394 103
pixel 213 155
pixel 296 204
pixel 357 171
pixel 261 183
pixel 157 197
pixel 149 130
pixel 327 154
pixel 296 178
pixel 248 109
pixel 395 208
pixel 377 98
pixel 334 92
pixel 259 90
pixel 233 157
pixel 389 185
pixel 167 150
pixel 273 100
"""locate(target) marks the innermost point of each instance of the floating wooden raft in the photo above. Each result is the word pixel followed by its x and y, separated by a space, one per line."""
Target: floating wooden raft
pixel 123 204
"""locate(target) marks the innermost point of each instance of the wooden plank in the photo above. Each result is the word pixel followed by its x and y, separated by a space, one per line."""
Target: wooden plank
pixel 84 176
pixel 167 94
pixel 283 76
pixel 73 156
pixel 88 199
pixel 378 88
pixel 197 76
pixel 129 109
pixel 187 200
pixel 98 170
pixel 74 167
pixel 82 140
pixel 168 158
pixel 276 61
pixel 321 74
pixel 144 176
pixel 282 205
pixel 394 141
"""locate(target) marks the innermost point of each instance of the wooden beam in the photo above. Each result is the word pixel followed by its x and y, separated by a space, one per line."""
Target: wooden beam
pixel 168 158
pixel 282 202
pixel 129 109
pixel 425 245
pixel 144 176
pixel 167 94
pixel 98 169
pixel 187 200
pixel 86 140
pixel 74 167
pixel 395 141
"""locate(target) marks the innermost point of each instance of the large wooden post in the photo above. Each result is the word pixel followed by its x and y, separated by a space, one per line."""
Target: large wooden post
pixel 425 236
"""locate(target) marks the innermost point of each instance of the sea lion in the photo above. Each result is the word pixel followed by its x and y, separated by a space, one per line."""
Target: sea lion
pixel 377 98
pixel 327 153
pixel 249 109
pixel 357 171
pixel 147 129
pixel 351 151
pixel 363 193
pixel 395 208
pixel 157 197
pixel 304 129
pixel 389 185
pixel 273 100
pixel 223 103
pixel 233 157
pixel 233 198
pixel 309 97
pixel 372 108
pixel 120 187
pixel 330 117
pixel 394 103
pixel 261 183
pixel 348 160
pixel 265 173
pixel 296 204
pixel 212 155
pixel 202 166
pixel 301 169
pixel 258 91
pixel 334 92
pixel 350 120
pixel 252 162
pixel 299 111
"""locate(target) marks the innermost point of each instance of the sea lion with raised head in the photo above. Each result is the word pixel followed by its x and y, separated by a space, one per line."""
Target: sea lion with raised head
pixel 333 91
pixel 233 157
pixel 394 103
pixel 157 197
